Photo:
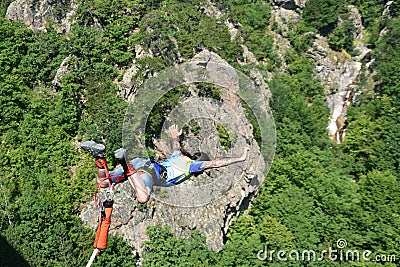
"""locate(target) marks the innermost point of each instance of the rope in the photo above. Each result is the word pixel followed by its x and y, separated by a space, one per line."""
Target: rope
pixel 94 254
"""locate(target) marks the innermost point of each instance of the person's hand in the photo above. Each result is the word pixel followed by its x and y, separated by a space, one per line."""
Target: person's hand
pixel 174 132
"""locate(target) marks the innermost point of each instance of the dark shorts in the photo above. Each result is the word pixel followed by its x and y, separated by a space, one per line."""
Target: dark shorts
pixel 137 163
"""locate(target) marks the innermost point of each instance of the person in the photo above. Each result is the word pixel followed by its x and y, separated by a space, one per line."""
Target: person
pixel 144 173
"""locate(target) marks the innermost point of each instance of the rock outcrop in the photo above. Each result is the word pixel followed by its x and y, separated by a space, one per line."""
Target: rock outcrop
pixel 38 13
pixel 339 73
pixel 284 18
pixel 62 70
pixel 232 188
pixel 388 13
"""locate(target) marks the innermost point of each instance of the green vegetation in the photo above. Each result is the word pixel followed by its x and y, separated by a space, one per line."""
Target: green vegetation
pixel 332 19
pixel 208 91
pixel 176 251
pixel 44 176
pixel 253 17
pixel 324 15
pixel 224 138
pixel 194 127
pixel 342 37
pixel 316 192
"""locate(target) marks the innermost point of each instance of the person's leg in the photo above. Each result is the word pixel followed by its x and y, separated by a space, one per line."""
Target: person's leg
pixel 142 184
pixel 216 163
pixel 101 178
pixel 101 164
pixel 120 155
pixel 98 151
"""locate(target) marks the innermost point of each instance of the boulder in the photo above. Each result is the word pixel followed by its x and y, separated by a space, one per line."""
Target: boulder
pixel 284 18
pixel 356 18
pixel 37 13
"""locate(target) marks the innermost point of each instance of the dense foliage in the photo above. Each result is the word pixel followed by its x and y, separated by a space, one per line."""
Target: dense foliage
pixel 316 193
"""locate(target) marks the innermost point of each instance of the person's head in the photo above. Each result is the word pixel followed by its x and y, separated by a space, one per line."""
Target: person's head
pixel 200 156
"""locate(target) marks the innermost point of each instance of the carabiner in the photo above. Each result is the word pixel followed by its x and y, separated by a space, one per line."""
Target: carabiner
pixel 109 194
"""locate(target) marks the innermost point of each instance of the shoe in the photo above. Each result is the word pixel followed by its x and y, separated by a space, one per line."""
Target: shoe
pixel 119 154
pixel 96 150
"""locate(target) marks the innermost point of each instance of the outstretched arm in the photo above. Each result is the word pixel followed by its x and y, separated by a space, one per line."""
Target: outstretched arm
pixel 216 163
pixel 174 132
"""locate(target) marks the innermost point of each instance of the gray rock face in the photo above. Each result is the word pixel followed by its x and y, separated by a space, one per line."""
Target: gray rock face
pixel 356 17
pixel 339 73
pixel 37 13
pixel 209 211
pixel 285 17
pixel 126 86
pixel 62 70
pixel 389 11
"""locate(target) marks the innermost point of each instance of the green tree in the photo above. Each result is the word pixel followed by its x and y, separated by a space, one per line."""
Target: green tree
pixel 380 204
pixel 342 37
pixel 164 249
pixel 247 237
pixel 388 60
pixel 323 15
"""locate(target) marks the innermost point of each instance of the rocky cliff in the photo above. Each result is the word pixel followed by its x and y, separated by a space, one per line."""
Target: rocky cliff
pixel 39 13
pixel 209 202
pixel 339 73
